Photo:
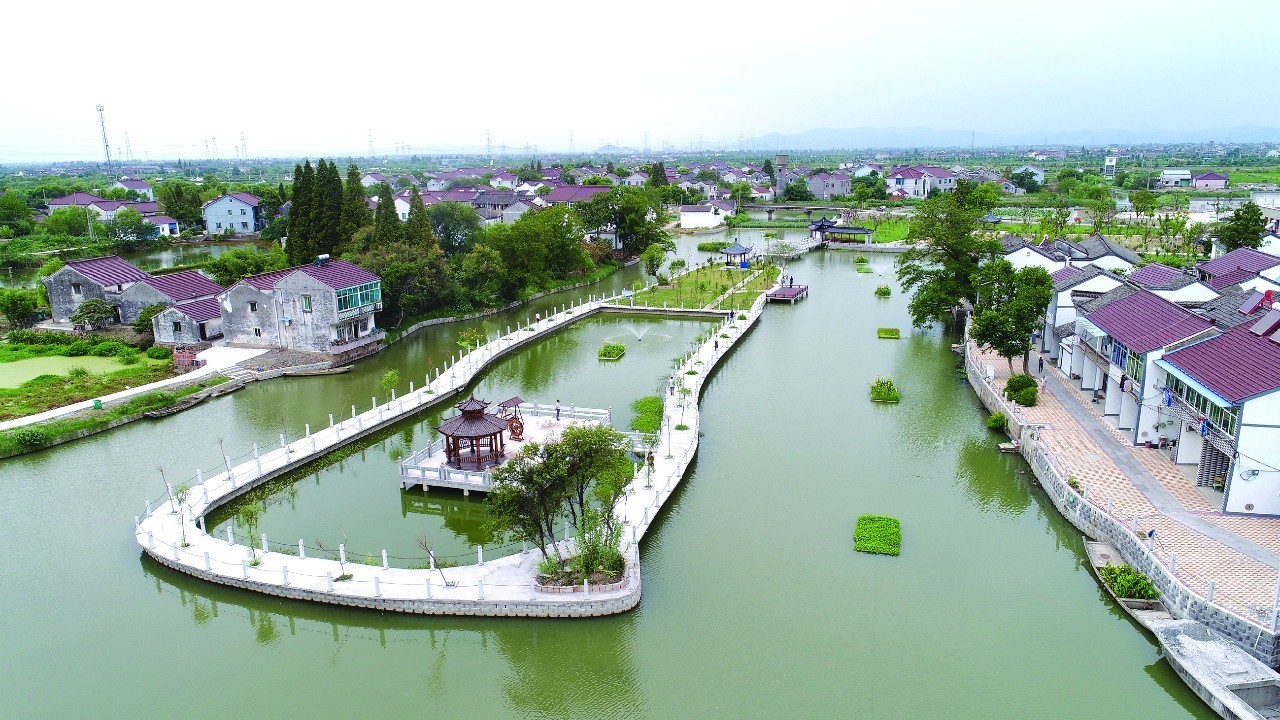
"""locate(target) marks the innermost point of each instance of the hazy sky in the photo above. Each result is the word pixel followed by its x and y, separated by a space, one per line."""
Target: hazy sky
pixel 312 78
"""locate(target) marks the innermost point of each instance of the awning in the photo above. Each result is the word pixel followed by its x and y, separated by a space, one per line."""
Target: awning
pixel 1194 384
pixel 1088 330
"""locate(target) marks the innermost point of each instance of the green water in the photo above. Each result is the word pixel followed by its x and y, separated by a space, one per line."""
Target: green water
pixel 754 604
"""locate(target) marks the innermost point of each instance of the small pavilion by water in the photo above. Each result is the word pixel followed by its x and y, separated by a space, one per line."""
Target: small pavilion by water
pixel 736 254
pixel 473 439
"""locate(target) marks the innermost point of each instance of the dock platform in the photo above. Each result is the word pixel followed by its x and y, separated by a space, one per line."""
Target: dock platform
pixel 788 294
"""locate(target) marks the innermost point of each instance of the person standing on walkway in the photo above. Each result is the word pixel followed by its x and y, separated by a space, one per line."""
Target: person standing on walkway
pixel 557 410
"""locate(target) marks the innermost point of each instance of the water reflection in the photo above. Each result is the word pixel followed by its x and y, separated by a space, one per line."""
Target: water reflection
pixel 986 476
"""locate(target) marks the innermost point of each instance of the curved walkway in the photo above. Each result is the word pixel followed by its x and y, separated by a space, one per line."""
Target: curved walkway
pixel 171 533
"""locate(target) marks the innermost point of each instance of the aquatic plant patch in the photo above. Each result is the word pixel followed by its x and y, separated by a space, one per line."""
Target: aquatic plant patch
pixel 612 351
pixel 1126 582
pixel 648 414
pixel 888 333
pixel 878 535
pixel 864 268
pixel 883 390
pixel 883 290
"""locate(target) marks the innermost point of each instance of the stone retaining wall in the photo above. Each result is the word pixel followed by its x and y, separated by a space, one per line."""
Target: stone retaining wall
pixel 1096 523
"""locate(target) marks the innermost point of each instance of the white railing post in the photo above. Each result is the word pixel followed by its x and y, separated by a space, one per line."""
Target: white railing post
pixel 1275 605
pixel 385 564
pixel 328 578
pixel 1209 598
pixel 231 540
pixel 284 574
pixel 480 589
pixel 428 586
pixel 208 564
pixel 302 550
pixel 377 586
pixel 330 419
pixel 265 548
pixel 342 553
pixel 244 569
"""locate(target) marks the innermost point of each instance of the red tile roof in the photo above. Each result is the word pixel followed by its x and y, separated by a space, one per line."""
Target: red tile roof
pixel 1145 321
pixel 1236 365
pixel 109 270
pixel 1247 258
pixel 337 274
pixel 135 184
pixel 1230 277
pixel 184 285
pixel 75 198
pixel 1067 273
pixel 202 310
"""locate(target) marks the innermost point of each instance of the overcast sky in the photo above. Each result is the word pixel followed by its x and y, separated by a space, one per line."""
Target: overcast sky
pixel 316 79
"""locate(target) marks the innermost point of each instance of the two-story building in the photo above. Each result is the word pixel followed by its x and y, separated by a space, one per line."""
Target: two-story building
pixel 326 307
pixel 105 278
pixel 1125 339
pixel 233 213
pixel 1220 399
pixel 825 186
pixel 169 289
pixel 1058 336
pixel 142 187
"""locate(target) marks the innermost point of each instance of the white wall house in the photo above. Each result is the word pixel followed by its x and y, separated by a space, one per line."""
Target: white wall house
pixel 235 212
pixel 1227 422
pixel 700 216
pixel 1061 312
pixel 1036 172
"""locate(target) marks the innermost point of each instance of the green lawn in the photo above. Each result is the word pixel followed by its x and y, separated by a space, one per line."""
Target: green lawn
pixel 13 374
pixel 891 231
pixel 46 392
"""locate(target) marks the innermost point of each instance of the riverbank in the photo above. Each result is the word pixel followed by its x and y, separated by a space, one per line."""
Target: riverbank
pixel 174 534
pixel 1204 569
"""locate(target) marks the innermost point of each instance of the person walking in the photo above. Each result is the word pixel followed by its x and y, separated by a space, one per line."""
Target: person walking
pixel 557 410
pixel 1041 364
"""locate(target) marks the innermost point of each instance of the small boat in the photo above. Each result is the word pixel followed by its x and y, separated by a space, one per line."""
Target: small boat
pixel 1101 555
pixel 1010 447
pixel 183 404
pixel 323 371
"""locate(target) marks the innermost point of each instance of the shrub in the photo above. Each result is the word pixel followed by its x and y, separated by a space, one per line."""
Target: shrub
pixel 883 390
pixel 29 438
pixel 864 268
pixel 109 348
pixel 860 259
pixel 157 352
pixel 888 333
pixel 648 414
pixel 1127 582
pixel 742 316
pixel 883 290
pixel 1026 397
pixel 997 421
pixel 131 357
pixel 682 426
pixel 712 246
pixel 46 337
pixel 77 372
pixel 878 534
pixel 1018 382
pixel 78 348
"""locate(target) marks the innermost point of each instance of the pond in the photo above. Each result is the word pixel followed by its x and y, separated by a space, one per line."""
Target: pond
pixel 754 602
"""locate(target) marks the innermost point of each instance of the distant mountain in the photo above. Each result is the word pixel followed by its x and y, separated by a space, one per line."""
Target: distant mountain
pixel 912 137
pixel 615 150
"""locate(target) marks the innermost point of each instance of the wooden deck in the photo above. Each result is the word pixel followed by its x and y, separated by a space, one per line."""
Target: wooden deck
pixel 788 294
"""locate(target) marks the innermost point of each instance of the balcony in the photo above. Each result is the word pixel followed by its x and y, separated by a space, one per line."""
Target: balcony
pixel 1217 436
pixel 356 312
pixel 347 350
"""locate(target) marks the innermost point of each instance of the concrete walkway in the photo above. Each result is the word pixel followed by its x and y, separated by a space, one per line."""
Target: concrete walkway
pixel 1155 492
pixel 218 359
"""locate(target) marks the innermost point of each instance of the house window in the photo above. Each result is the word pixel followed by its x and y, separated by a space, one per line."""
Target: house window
pixel 306 303
pixel 228 211
pixel 177 327
pixel 219 226
pixel 75 288
pixel 257 332
pixel 253 307
pixel 244 226
pixel 242 211
pixel 364 324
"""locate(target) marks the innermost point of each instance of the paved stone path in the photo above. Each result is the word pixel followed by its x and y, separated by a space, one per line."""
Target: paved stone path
pixel 1241 555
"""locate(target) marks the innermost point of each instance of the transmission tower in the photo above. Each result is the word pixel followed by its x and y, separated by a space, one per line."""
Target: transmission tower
pixel 244 149
pixel 106 147
pixel 370 143
pixel 214 139
pixel 128 149
pixel 206 150
pixel 646 143
pixel 571 142
pixel 488 146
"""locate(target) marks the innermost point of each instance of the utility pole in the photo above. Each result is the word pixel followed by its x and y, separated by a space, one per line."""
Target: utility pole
pixel 106 147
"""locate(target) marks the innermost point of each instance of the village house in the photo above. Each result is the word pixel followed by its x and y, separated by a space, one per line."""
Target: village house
pixel 569 195
pixel 1219 399
pixel 825 186
pixel 167 289
pixel 142 187
pixel 326 307
pixel 75 199
pixel 105 278
pixel 1037 173
pixel 1210 181
pixel 233 213
pixel 1175 177
pixel 1057 338
pixel 370 179
pixel 1242 266
pixel 636 179
pixel 704 215
pixel 195 322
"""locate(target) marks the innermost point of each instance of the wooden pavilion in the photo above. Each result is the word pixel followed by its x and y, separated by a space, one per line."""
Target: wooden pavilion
pixel 473 440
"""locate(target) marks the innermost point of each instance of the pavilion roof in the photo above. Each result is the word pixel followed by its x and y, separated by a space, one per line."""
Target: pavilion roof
pixel 736 249
pixel 471 404
pixel 511 402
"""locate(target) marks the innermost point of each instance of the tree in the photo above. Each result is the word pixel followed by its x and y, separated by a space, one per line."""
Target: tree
pixel 417 228
pixel 68 221
pixel 414 279
pixel 456 225
pixel 708 176
pixel 1144 202
pixel 181 201
pixel 142 325
pixel 386 223
pixel 326 211
pixel 526 499
pixel 1119 177
pixel 657 175
pixel 236 263
pixel 939 270
pixel 299 245
pixel 797 191
pixel 597 180
pixel 653 257
pixel 767 169
pixel 590 456
pixel 128 229
pixel 1010 306
pixel 1244 228
pixel 15 213
pixel 94 312
pixel 18 307
pixel 1193 235
pixel 1025 180
pixel 740 193
pixel 635 214
pixel 1101 212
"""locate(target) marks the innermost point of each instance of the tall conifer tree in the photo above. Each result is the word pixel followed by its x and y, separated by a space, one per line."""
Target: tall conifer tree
pixel 355 207
pixel 299 244
pixel 417 229
pixel 386 224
